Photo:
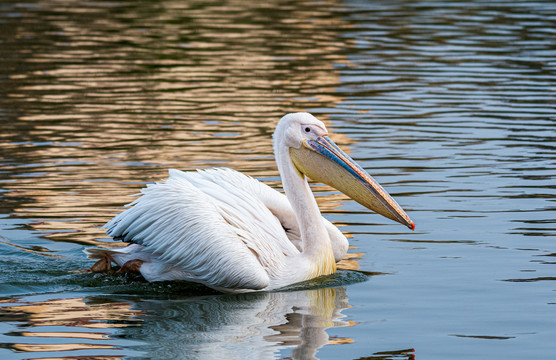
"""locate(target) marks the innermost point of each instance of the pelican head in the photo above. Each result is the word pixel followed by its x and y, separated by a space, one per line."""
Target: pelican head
pixel 316 156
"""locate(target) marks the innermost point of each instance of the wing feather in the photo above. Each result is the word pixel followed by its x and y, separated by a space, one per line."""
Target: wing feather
pixel 210 224
pixel 183 227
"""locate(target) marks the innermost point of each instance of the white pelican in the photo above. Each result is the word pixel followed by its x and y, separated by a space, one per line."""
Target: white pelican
pixel 233 233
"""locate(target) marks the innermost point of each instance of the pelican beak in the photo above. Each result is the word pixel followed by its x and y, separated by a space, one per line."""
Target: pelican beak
pixel 323 161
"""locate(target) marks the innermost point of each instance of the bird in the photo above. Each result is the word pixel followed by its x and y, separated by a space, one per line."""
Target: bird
pixel 233 233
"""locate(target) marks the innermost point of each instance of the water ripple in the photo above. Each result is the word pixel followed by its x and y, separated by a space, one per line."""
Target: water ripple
pixel 449 104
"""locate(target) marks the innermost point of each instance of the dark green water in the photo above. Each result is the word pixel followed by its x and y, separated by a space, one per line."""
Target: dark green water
pixel 450 105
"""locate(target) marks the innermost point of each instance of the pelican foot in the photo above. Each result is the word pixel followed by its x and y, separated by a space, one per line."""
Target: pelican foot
pixel 103 265
pixel 131 266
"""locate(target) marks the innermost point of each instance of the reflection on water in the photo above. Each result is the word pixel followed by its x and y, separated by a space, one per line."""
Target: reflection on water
pixel 73 323
pixel 261 324
pixel 98 115
pixel 449 104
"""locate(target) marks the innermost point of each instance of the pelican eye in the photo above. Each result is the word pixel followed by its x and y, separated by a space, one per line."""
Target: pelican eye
pixel 307 129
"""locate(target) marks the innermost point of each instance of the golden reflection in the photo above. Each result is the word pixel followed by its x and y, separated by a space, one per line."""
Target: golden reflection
pixel 72 335
pixel 340 341
pixel 57 347
pixel 132 95
pixel 67 314
pixel 39 250
pixel 350 261
pixel 74 312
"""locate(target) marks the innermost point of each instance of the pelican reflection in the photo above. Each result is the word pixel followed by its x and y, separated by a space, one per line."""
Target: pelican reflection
pixel 231 326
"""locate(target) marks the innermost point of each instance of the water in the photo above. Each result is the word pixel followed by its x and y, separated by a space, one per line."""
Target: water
pixel 450 105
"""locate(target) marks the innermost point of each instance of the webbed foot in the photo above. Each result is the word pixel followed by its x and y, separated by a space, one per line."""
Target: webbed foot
pixel 131 266
pixel 103 265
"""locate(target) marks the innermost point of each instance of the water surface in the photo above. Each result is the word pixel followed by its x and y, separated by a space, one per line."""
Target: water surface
pixel 450 105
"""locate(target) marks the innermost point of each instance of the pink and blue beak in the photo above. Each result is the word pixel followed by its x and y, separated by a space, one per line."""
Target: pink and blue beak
pixel 323 161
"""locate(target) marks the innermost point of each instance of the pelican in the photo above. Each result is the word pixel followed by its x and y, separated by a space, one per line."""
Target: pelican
pixel 233 233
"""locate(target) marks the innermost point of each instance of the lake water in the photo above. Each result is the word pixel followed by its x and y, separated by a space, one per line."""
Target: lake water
pixel 450 105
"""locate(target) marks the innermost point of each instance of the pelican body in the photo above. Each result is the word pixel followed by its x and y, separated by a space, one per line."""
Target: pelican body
pixel 233 233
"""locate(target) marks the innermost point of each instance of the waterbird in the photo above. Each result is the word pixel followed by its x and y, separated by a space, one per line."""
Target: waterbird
pixel 232 233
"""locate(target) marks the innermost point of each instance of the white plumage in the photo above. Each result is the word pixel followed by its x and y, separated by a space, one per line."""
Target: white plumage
pixel 228 231
pixel 191 222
